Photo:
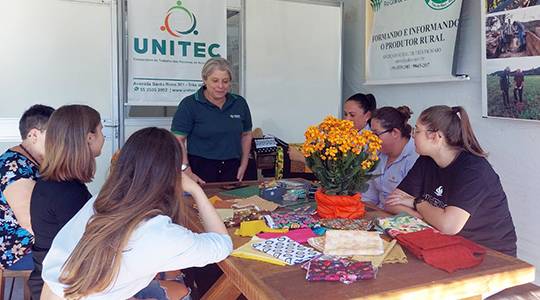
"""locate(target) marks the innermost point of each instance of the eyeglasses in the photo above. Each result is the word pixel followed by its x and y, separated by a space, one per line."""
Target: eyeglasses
pixel 382 132
pixel 415 131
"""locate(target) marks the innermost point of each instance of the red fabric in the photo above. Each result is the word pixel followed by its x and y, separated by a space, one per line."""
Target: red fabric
pixel 446 252
pixel 336 206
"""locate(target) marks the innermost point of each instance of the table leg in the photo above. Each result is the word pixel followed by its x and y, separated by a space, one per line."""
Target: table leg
pixel 223 289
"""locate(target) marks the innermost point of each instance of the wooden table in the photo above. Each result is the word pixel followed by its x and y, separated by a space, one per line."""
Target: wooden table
pixel 414 280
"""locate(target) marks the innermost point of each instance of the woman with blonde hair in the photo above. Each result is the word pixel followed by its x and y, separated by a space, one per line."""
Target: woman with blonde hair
pixel 452 186
pixel 121 239
pixel 73 141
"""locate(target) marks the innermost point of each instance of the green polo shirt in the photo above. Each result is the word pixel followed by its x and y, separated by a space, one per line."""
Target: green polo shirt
pixel 212 133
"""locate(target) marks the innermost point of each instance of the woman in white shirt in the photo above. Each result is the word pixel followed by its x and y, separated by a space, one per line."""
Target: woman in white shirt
pixel 121 239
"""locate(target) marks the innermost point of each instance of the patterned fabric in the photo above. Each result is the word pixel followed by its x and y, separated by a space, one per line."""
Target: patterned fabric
pixel 287 250
pixel 353 242
pixel 15 241
pixel 347 224
pixel 245 214
pixel 331 268
pixel 293 220
pixel 402 223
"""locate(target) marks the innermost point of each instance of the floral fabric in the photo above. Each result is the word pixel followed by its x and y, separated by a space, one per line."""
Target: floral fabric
pixel 347 224
pixel 15 241
pixel 293 220
pixel 331 268
pixel 402 223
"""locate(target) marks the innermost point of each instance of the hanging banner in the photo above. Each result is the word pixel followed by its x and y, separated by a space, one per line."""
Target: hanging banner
pixel 410 41
pixel 168 43
pixel 511 59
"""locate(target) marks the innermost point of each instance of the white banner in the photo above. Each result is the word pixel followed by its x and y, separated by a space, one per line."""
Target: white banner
pixel 169 42
pixel 411 40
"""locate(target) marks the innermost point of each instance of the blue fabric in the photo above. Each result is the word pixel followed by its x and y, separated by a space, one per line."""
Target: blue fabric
pixel 391 175
pixel 15 241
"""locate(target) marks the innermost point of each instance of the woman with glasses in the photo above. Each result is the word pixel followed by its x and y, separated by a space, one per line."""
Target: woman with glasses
pixel 397 153
pixel 452 186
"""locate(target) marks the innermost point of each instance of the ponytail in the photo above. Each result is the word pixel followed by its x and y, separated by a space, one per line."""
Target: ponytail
pixel 454 123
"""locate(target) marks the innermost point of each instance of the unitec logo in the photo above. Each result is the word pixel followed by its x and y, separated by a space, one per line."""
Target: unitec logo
pixel 439 4
pixel 176 33
pixel 375 5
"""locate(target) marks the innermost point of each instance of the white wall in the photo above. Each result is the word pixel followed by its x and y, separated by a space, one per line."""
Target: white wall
pixel 513 145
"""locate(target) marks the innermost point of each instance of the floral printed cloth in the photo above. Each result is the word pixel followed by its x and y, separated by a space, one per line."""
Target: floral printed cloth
pixel 331 268
pixel 15 241
pixel 402 223
pixel 286 249
pixel 347 224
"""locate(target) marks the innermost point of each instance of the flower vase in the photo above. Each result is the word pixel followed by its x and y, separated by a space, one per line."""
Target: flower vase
pixel 339 206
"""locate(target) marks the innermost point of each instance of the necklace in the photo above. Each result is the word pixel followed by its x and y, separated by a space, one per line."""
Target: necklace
pixel 32 157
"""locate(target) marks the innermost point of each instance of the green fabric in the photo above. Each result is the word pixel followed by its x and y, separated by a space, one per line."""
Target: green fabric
pixel 242 192
pixel 212 133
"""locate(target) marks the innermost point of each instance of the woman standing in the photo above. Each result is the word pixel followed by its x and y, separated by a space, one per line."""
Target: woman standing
pixel 397 155
pixel 74 140
pixel 120 240
pixel 452 185
pixel 216 125
pixel 19 168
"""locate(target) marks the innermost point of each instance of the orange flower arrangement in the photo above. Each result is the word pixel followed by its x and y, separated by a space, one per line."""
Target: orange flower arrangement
pixel 341 157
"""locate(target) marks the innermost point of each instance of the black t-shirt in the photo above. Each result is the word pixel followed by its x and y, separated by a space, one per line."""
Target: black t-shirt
pixel 52 205
pixel 471 184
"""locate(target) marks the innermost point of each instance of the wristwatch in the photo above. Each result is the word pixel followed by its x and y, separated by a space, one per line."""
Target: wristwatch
pixel 417 201
pixel 184 167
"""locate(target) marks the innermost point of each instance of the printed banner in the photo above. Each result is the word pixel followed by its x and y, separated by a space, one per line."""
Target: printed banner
pixel 410 40
pixel 168 43
pixel 512 59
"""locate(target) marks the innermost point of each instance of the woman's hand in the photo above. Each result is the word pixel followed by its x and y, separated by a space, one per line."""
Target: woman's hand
pixel 193 176
pixel 399 197
pixel 189 184
pixel 296 155
pixel 241 172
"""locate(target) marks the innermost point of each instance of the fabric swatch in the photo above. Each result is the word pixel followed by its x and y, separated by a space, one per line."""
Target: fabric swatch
pixel 299 235
pixel 247 251
pixel 242 192
pixel 287 250
pixel 402 223
pixel 347 271
pixel 445 252
pixel 293 220
pixel 353 242
pixel 255 201
pixel 347 224
pixel 251 228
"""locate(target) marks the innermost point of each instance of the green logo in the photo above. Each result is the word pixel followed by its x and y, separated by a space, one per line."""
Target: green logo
pixel 439 4
pixel 375 4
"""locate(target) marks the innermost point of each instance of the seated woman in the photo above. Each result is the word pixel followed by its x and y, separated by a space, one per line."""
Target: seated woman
pixel 358 108
pixel 74 140
pixel 19 167
pixel 121 239
pixel 452 186
pixel 397 155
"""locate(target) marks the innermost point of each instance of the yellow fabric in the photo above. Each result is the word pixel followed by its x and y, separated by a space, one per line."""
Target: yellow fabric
pixel 246 251
pixel 214 199
pixel 396 256
pixel 251 228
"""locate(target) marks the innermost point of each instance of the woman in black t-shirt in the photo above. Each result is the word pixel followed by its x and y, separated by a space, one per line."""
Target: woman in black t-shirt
pixel 452 186
pixel 74 139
